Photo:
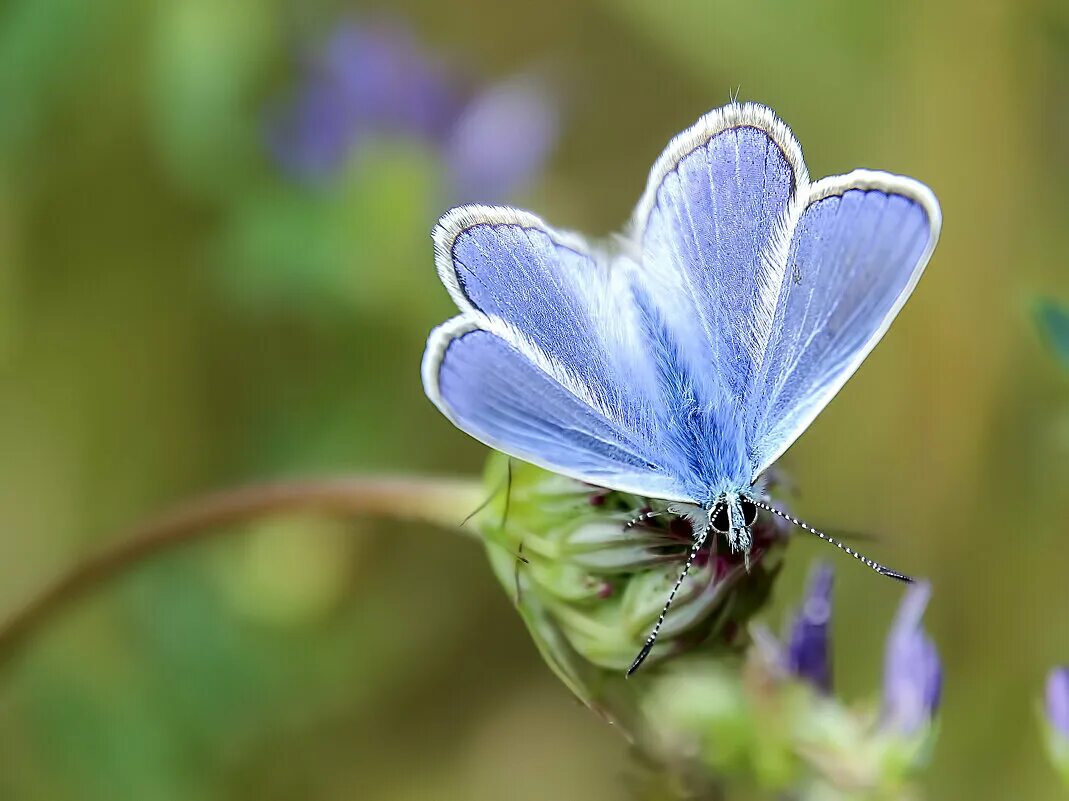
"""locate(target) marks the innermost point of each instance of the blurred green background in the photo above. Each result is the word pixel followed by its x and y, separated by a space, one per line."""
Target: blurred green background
pixel 199 287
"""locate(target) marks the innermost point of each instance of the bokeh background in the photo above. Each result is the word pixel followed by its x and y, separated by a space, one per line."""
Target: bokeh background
pixel 215 268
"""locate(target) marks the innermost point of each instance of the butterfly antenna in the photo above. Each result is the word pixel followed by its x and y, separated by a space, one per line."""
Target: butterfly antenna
pixel 671 597
pixel 883 571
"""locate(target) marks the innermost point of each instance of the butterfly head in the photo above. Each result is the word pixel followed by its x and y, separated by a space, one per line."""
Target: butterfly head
pixel 732 514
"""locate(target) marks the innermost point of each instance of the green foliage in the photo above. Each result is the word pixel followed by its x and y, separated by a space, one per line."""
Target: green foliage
pixel 1057 749
pixel 205 88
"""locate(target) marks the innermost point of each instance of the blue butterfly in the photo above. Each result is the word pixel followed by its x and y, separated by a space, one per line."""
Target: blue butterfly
pixel 683 358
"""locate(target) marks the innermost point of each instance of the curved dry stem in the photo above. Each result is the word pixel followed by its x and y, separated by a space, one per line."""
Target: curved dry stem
pixel 441 502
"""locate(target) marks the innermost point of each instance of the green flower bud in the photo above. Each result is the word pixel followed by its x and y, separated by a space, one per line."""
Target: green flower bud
pixel 590 588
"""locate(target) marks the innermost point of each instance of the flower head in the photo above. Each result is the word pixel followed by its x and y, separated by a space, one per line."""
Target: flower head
pixel 501 139
pixel 376 79
pixel 765 723
pixel 808 642
pixel 590 587
pixel 1056 712
pixel 912 672
pixel 1057 700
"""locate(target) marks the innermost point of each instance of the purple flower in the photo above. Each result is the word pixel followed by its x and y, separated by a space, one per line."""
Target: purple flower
pixel 375 79
pixel 808 652
pixel 912 673
pixel 1057 701
pixel 365 79
pixel 501 139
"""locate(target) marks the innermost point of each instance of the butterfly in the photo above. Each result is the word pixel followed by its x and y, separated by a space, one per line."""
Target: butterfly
pixel 681 359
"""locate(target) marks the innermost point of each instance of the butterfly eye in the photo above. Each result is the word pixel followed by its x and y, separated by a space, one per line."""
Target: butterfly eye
pixel 721 522
pixel 749 511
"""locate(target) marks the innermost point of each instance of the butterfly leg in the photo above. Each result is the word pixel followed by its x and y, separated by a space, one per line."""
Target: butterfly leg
pixel 652 638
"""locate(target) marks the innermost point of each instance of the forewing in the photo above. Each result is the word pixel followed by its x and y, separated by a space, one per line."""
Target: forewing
pixel 712 228
pixel 545 362
pixel 856 253
pixel 494 391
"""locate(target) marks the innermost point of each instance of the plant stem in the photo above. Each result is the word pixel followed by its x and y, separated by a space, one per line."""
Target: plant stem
pixel 441 502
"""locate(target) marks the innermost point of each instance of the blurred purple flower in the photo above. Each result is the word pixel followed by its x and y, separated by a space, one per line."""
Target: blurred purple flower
pixel 1057 701
pixel 501 139
pixel 375 78
pixel 808 646
pixel 913 676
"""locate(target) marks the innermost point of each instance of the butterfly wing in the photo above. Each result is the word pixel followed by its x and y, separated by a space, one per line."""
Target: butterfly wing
pixel 775 288
pixel 857 250
pixel 709 228
pixel 544 362
pixel 745 298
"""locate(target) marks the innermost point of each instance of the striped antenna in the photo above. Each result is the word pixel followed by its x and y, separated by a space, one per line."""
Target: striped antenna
pixel 883 571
